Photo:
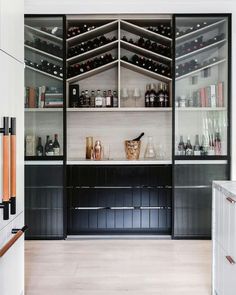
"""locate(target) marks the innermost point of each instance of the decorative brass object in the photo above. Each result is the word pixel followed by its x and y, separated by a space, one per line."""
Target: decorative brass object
pixel 132 149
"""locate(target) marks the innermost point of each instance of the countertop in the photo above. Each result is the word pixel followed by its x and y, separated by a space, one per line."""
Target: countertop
pixel 227 187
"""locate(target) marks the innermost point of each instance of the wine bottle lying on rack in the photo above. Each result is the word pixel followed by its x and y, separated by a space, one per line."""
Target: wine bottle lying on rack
pixel 80 68
pixel 161 29
pixel 45 46
pixel 77 30
pixel 194 27
pixel 46 66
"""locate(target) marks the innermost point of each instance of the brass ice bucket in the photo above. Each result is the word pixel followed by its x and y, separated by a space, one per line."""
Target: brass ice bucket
pixel 132 149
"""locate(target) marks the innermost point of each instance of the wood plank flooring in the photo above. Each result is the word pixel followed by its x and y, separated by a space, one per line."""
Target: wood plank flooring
pixel 112 267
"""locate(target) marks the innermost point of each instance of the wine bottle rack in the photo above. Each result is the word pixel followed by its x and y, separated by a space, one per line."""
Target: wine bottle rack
pixel 43 34
pixel 40 52
pixel 43 73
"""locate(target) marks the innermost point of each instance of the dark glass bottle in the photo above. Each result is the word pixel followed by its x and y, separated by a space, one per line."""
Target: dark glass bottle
pixel 81 100
pixel 181 146
pixel 161 96
pixel 147 96
pixel 189 148
pixel 197 148
pixel 39 148
pixel 46 149
pixel 56 146
pixel 166 96
pixel 152 96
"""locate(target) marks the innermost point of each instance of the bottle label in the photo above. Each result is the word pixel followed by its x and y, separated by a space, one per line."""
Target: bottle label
pixel 152 98
pixel 189 152
pixel 197 153
pixel 56 151
pixel 161 97
pixel 108 101
pixel 98 102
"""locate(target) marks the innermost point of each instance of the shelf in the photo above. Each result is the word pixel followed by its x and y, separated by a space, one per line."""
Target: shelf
pixel 43 34
pixel 43 162
pixel 42 110
pixel 144 71
pixel 43 73
pixel 194 33
pixel 137 30
pixel 43 53
pixel 93 52
pixel 200 69
pixel 200 50
pixel 197 158
pixel 93 72
pixel 200 109
pixel 101 30
pixel 119 162
pixel 120 109
pixel 140 50
pixel 43 158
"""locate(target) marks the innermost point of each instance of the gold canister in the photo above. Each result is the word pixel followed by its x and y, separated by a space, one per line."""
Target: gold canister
pixel 132 149
pixel 89 147
pixel 97 152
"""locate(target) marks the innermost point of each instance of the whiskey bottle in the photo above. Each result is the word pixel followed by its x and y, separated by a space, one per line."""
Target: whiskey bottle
pixel 39 148
pixel 86 99
pixel 109 99
pixel 147 96
pixel 152 96
pixel 188 148
pixel 197 150
pixel 56 146
pixel 160 96
pixel 181 146
pixel 81 99
pixel 92 99
pixel 115 99
pixel 98 100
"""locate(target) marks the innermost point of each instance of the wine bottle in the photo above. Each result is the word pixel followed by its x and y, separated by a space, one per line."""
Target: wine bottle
pixel 188 148
pixel 56 146
pixel 181 146
pixel 39 148
pixel 152 96
pixel 139 137
pixel 147 96
pixel 161 96
pixel 166 96
pixel 115 99
pixel 197 150
pixel 46 148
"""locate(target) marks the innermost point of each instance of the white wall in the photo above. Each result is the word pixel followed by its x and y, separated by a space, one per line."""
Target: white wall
pixel 147 6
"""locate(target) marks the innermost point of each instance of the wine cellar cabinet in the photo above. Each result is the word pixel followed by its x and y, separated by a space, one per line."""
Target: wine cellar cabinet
pixel 111 77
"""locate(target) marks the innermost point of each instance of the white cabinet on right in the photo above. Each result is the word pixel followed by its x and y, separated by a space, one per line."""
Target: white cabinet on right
pixel 224 238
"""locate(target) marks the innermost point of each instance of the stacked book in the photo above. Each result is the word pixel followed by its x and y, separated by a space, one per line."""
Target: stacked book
pixel 43 97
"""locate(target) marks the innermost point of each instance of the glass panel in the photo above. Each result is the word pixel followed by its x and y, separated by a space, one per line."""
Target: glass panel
pixel 43 87
pixel 201 92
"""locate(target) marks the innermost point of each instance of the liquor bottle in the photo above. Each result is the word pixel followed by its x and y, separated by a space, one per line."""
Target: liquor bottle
pixel 56 146
pixel 197 149
pixel 46 148
pixel 115 99
pixel 86 99
pixel 181 146
pixel 98 100
pixel 188 148
pixel 217 144
pixel 92 99
pixel 204 146
pixel 160 96
pixel 109 99
pixel 81 99
pixel 152 96
pixel 166 96
pixel 147 96
pixel 139 137
pixel 73 96
pixel 39 148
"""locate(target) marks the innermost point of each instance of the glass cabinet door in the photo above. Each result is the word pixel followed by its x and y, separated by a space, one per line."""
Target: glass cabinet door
pixel 44 87
pixel 201 89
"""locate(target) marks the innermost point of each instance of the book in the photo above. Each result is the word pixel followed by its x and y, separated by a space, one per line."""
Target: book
pixel 32 97
pixel 212 89
pixel 220 95
pixel 202 98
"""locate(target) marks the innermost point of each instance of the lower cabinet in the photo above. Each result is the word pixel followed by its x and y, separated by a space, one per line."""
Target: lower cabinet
pixel 119 199
pixel 44 201
pixel 193 198
pixel 224 238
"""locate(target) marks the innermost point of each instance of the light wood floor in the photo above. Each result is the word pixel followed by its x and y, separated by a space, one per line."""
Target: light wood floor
pixel 112 267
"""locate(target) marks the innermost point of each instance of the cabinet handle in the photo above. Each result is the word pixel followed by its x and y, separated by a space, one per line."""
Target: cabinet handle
pixel 17 234
pixel 232 201
pixel 13 166
pixel 230 259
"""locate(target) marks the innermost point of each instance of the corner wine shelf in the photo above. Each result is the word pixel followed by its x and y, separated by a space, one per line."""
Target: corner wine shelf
pixel 43 53
pixel 93 52
pixel 202 30
pixel 42 110
pixel 43 73
pixel 140 50
pixel 143 71
pixel 137 30
pixel 93 72
pixel 43 34
pixel 120 109
pixel 200 69
pixel 201 50
pixel 101 30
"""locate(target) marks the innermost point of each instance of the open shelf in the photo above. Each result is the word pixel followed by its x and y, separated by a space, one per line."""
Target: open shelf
pixel 121 109
pixel 43 53
pixel 202 30
pixel 200 109
pixel 137 30
pixel 43 34
pixel 200 69
pixel 42 110
pixel 200 50
pixel 118 162
pixel 93 72
pixel 101 30
pixel 143 71
pixel 44 158
pixel 140 50
pixel 93 52
pixel 43 73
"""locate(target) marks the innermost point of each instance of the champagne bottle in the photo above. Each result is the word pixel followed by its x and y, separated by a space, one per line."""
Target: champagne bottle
pixel 56 146
pixel 39 148
pixel 139 137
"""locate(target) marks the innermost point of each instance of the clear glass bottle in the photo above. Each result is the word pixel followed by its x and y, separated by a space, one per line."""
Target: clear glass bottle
pixel 98 100
pixel 150 152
